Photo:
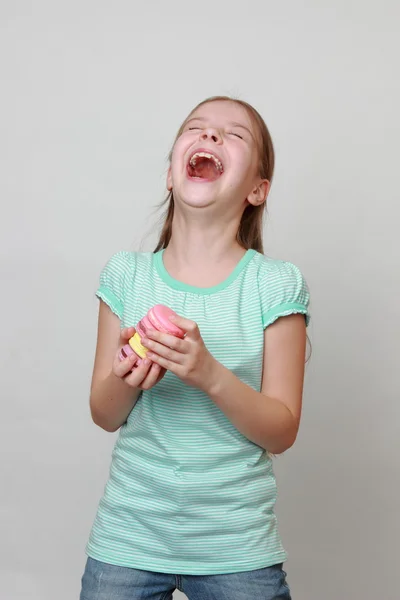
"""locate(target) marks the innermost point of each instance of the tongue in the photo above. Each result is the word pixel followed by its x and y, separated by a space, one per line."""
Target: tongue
pixel 205 169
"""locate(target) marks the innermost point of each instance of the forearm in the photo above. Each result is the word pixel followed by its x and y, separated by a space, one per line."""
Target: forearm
pixel 111 401
pixel 265 421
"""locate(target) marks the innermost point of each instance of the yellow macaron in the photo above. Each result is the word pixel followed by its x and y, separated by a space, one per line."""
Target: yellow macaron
pixel 136 345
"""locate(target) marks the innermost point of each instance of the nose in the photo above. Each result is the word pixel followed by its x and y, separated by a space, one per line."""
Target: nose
pixel 211 134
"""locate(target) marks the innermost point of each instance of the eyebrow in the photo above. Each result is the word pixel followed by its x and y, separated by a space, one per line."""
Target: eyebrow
pixel 231 123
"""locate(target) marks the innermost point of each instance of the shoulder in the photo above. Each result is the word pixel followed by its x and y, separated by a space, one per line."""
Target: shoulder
pixel 276 270
pixel 121 261
pixel 118 275
pixel 282 287
pixel 127 262
pixel 124 267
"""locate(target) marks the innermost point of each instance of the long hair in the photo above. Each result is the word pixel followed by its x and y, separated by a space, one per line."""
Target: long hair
pixel 250 232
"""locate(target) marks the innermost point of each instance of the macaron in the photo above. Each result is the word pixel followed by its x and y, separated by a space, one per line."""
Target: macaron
pixel 136 345
pixel 125 352
pixel 143 325
pixel 159 317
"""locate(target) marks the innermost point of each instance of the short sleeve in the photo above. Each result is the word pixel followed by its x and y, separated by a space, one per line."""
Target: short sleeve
pixel 112 281
pixel 283 291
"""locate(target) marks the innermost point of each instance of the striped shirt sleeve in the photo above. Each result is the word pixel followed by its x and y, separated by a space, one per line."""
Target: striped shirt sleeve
pixel 283 292
pixel 112 281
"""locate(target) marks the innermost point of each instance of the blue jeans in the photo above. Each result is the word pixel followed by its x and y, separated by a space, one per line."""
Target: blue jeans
pixel 102 581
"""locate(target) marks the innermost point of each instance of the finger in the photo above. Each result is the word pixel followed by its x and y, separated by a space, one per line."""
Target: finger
pixel 161 375
pixel 190 327
pixel 164 351
pixel 127 332
pixel 152 377
pixel 165 363
pixel 122 367
pixel 139 373
pixel 166 339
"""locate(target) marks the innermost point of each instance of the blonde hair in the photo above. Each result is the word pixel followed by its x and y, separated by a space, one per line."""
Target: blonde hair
pixel 250 232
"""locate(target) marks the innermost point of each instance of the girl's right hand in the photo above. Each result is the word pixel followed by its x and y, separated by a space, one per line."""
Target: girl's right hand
pixel 143 376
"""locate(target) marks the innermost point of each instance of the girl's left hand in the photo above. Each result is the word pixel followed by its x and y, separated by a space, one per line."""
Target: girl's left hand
pixel 187 358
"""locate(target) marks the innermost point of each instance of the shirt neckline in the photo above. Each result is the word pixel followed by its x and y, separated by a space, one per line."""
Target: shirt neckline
pixel 183 287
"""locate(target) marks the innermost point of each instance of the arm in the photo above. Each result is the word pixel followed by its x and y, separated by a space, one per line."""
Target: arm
pixel 269 418
pixel 111 399
pixel 115 387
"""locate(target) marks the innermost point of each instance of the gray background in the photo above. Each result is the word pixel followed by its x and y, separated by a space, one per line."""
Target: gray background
pixel 92 94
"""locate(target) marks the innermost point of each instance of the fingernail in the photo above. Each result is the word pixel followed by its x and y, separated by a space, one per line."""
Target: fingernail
pixel 146 361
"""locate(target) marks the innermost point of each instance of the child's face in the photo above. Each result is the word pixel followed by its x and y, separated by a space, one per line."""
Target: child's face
pixel 229 173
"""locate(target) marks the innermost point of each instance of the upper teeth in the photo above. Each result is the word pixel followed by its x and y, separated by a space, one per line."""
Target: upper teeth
pixel 206 155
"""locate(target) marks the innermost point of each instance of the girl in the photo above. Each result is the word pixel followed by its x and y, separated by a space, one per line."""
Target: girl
pixel 190 500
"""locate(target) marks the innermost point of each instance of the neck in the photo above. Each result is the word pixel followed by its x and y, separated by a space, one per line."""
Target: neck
pixel 198 244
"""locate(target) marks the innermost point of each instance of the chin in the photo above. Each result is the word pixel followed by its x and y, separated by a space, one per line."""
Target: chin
pixel 197 201
pixel 199 197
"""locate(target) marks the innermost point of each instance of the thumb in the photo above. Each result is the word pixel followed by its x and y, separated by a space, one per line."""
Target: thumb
pixel 127 333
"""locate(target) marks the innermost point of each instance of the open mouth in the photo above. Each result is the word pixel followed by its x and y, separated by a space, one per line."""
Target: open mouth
pixel 204 166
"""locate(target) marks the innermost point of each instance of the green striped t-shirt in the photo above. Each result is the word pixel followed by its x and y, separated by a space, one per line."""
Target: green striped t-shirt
pixel 187 492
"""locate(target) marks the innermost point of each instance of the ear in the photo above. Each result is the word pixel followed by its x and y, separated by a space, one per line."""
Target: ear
pixel 260 193
pixel 169 180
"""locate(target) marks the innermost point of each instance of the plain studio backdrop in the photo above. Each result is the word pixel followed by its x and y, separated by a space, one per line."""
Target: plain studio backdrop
pixel 92 93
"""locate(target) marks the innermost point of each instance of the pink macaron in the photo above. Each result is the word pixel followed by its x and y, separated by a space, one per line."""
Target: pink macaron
pixel 159 317
pixel 125 352
pixel 143 325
